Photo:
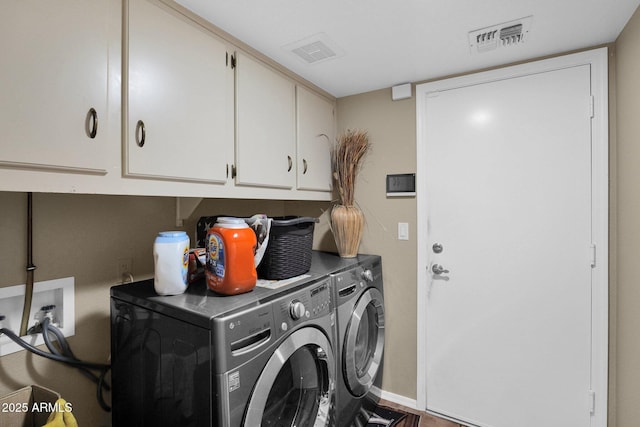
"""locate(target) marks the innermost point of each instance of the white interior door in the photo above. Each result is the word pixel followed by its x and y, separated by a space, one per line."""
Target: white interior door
pixel 509 250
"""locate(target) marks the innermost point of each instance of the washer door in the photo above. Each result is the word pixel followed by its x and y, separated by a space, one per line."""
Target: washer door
pixel 296 387
pixel 364 343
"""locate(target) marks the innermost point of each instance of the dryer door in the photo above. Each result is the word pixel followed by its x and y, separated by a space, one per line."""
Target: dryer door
pixel 297 385
pixel 364 343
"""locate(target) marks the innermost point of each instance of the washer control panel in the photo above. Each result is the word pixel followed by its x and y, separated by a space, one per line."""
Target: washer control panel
pixel 307 304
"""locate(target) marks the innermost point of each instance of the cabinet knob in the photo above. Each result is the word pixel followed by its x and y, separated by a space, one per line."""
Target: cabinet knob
pixel 141 134
pixel 91 124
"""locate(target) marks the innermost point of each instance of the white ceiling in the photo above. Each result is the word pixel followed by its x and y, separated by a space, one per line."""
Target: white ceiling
pixel 388 42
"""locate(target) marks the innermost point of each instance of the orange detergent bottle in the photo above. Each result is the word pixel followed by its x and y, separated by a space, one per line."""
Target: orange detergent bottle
pixel 230 268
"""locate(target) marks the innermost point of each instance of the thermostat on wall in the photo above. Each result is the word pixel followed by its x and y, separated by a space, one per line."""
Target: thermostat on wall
pixel 401 185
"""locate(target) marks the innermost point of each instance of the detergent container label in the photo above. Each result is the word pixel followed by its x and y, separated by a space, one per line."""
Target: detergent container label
pixel 171 262
pixel 215 257
pixel 185 264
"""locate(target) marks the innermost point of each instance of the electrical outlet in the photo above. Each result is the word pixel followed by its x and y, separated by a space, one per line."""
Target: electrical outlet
pixel 58 292
pixel 124 270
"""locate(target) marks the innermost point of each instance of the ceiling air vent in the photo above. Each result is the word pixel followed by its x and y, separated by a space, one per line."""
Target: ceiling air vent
pixel 314 52
pixel 498 36
pixel 314 49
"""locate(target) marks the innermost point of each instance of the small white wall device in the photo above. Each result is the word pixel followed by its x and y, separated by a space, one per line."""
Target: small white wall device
pixel 401 92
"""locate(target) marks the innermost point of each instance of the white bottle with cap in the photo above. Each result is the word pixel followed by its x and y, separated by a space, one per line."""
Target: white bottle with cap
pixel 171 260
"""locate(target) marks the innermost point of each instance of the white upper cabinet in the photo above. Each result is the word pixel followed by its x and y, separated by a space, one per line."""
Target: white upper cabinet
pixel 142 97
pixel 315 137
pixel 266 127
pixel 179 121
pixel 53 107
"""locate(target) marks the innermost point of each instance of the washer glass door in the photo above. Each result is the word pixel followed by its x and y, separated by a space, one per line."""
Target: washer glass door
pixel 364 343
pixel 296 387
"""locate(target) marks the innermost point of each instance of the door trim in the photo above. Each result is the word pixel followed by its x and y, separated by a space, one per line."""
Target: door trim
pixel 598 61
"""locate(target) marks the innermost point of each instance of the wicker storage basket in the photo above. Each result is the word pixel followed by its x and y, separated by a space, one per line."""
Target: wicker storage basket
pixel 288 252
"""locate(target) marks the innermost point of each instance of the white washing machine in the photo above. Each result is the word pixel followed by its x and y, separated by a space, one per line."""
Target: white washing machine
pixel 360 324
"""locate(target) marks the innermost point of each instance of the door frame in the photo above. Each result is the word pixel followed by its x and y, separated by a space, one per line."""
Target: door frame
pixel 598 61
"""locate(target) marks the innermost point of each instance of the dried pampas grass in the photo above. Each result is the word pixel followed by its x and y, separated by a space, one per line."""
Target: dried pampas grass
pixel 351 147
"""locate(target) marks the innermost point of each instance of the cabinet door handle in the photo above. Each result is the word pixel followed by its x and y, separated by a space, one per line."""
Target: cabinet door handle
pixel 290 160
pixel 141 134
pixel 233 171
pixel 91 124
pixel 304 166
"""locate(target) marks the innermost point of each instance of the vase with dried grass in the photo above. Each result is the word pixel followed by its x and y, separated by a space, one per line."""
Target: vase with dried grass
pixel 347 220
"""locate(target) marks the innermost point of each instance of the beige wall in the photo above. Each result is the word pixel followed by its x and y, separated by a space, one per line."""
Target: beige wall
pixel 323 239
pixel 392 132
pixel 82 236
pixel 626 318
pixel 79 236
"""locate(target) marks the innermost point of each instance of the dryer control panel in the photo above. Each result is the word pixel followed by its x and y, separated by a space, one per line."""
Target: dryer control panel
pixel 352 281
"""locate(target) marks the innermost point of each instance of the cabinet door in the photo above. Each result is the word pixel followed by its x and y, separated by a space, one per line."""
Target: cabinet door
pixel 179 123
pixel 53 79
pixel 265 132
pixel 316 134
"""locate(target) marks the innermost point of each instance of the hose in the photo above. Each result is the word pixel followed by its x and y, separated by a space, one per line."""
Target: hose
pixel 65 355
pixel 65 349
pixel 28 293
pixel 9 333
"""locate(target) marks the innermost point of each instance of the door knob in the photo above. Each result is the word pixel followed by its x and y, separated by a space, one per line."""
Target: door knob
pixel 438 269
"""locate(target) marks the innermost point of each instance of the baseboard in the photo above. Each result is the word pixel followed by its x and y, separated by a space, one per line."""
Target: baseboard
pixel 399 399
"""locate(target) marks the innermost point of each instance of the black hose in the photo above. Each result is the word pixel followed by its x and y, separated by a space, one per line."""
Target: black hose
pixel 65 349
pixel 101 385
pixel 46 355
pixel 58 357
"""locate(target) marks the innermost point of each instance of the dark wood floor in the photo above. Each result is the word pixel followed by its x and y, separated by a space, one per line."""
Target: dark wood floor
pixel 426 420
